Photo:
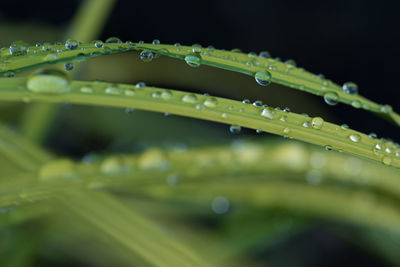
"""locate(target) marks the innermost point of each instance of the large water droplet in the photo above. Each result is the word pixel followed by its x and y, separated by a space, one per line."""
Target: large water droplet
pixel 263 78
pixel 350 88
pixel 317 122
pixel 193 61
pixel 331 98
pixel 71 44
pixel 18 48
pixel 49 81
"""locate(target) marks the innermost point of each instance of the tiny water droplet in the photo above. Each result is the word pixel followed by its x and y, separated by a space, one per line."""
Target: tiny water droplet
pixel 98 44
pixel 386 109
pixel 129 92
pixel 87 89
pixel 331 98
pixel 113 40
pixel 147 56
pixel 140 85
pixel 264 54
pixel 350 88
pixel 268 113
pixel 235 128
pixel 112 90
pixel 18 48
pixel 166 95
pixel 317 122
pixel 387 160
pixel 257 103
pixel 49 81
pixel 71 44
pixel 263 78
pixel 356 104
pixel 291 62
pixel 47 47
pixel 69 66
pixel 220 205
pixel 196 48
pixel 155 42
pixel 210 102
pixel 328 148
pixel 246 101
pixel 373 136
pixel 286 110
pixel 355 138
pixel 286 131
pixel 189 98
pixel 344 126
pixel 193 61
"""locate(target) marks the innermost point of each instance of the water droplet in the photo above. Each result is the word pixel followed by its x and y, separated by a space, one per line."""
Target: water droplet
pixel 113 40
pixel 57 169
pixel 18 48
pixel 287 110
pixel 291 62
pixel 210 102
pixel 177 44
pixel 196 48
pixel 220 205
pixel 51 57
pixel 246 101
pixel 193 61
pixel 140 85
pixel 189 98
pixel 328 148
pixel 172 179
pixel 356 104
pixel 264 54
pixel 129 92
pixel 373 136
pixel 69 66
pixel 156 42
pixel 386 109
pixel 235 129
pixel 113 90
pixel 314 177
pixel 350 88
pixel 129 110
pixel 355 138
pixel 317 122
pixel 344 126
pixel 166 95
pixel 98 43
pixel 306 124
pixel 331 98
pixel 387 160
pixel 86 89
pixel 71 44
pixel 268 113
pixel 263 78
pixel 47 47
pixel 147 55
pixel 156 95
pixel 49 81
pixel 286 131
pixel 9 74
pixel 257 103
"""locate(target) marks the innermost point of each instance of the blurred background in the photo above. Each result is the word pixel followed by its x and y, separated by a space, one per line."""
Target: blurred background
pixel 344 40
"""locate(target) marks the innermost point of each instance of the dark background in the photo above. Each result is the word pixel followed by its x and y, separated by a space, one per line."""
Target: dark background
pixel 344 40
